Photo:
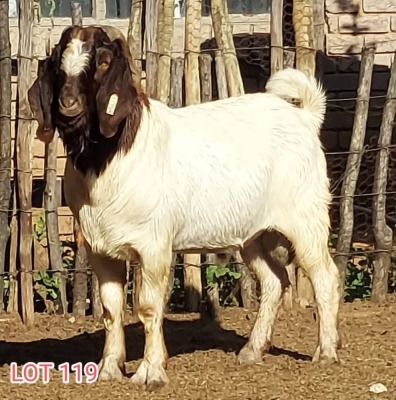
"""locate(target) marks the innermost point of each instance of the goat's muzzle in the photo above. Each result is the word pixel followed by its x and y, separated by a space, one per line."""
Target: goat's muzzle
pixel 70 106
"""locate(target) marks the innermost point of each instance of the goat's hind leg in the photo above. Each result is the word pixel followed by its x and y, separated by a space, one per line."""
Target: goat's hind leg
pixel 112 278
pixel 267 257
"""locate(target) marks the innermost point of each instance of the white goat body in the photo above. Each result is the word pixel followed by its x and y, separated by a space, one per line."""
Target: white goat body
pixel 210 176
pixel 213 177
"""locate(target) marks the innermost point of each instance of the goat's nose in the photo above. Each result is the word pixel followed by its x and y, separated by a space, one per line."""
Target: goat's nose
pixel 67 101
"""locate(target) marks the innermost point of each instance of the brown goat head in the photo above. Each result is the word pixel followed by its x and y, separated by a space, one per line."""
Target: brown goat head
pixel 85 90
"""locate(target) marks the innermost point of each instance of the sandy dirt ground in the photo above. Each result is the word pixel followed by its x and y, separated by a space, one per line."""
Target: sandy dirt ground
pixel 202 362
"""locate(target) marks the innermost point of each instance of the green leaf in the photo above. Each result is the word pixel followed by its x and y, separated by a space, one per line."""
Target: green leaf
pixel 234 274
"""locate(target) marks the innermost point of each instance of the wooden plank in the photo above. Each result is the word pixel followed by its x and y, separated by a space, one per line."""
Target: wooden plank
pixel 5 139
pixel 205 71
pixel 192 47
pixel 24 137
pixel 135 37
pixel 353 164
pixel 176 83
pixel 276 36
pixel 165 34
pixel 383 233
pixel 151 15
pixel 225 42
pixel 221 75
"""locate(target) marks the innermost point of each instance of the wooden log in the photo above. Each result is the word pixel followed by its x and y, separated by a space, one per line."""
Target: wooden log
pixel 24 139
pixel 165 34
pixel 151 16
pixel 51 213
pixel 304 33
pixel 97 309
pixel 205 71
pixel 382 232
pixel 213 304
pixel 80 286
pixel 13 297
pixel 135 37
pixel 192 44
pixel 76 13
pixel 176 83
pixel 319 24
pixel 306 62
pixel 221 75
pixel 248 284
pixel 5 139
pixel 276 36
pixel 225 42
pixel 353 164
pixel 290 292
pixel 171 281
pixel 192 282
pixel 137 283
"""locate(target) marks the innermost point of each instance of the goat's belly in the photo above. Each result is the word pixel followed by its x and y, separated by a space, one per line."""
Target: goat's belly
pixel 194 238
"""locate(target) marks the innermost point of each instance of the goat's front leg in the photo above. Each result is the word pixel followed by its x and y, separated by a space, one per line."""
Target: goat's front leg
pixel 155 275
pixel 112 278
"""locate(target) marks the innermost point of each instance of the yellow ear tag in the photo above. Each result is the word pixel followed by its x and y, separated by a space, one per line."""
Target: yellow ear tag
pixel 111 105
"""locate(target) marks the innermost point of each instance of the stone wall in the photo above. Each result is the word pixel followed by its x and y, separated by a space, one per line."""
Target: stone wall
pixel 352 24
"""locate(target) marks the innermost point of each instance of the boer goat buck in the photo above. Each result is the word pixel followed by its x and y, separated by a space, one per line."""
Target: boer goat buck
pixel 131 179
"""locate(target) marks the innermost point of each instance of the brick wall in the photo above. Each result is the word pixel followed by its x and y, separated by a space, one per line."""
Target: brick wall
pixel 351 24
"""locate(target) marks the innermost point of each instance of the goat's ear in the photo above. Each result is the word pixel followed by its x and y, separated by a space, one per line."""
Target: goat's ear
pixel 41 97
pixel 115 97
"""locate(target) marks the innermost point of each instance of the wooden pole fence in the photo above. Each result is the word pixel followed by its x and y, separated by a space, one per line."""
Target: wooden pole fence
pixel 353 164
pixel 382 232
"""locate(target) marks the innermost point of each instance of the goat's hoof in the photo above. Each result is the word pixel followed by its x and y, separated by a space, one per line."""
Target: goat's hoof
pixel 109 370
pixel 154 377
pixel 247 356
pixel 325 357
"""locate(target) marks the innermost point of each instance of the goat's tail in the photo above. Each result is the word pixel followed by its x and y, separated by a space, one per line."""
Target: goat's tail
pixel 297 87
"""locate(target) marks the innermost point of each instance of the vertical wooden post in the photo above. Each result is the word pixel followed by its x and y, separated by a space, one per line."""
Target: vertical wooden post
pixel 319 24
pixel 135 36
pixel 213 292
pixel 192 282
pixel 137 283
pixel 205 70
pixel 77 18
pixel 353 163
pixel 80 287
pixel 305 61
pixel 382 232
pixel 51 213
pixel 97 309
pixel 5 140
pixel 221 75
pixel 165 33
pixel 248 284
pixel 13 298
pixel 151 15
pixel 276 36
pixel 24 140
pixel 225 42
pixel 192 273
pixel 304 31
pixel 176 83
pixel 192 42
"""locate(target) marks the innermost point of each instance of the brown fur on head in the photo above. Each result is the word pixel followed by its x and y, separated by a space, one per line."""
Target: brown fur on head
pixel 117 97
